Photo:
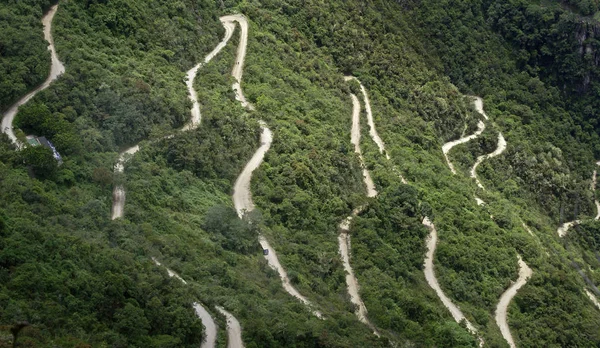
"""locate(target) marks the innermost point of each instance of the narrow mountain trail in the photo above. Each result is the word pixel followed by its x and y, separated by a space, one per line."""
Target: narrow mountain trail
pixel 501 309
pixel 191 76
pixel 234 330
pixel 209 324
pixel 499 150
pixel 592 298
pixel 351 281
pixel 242 196
pixel 119 190
pixel 433 282
pixel 194 122
pixel 449 145
pixel 372 130
pixel 564 228
pixel 432 238
pixel 524 271
pixel 56 69
pixel 355 140
pixel 344 226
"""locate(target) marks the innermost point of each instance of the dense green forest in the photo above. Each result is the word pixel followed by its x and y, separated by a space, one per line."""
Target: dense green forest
pixel 78 278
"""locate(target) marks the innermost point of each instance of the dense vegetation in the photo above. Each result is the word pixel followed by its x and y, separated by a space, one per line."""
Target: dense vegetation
pixel 76 277
pixel 24 59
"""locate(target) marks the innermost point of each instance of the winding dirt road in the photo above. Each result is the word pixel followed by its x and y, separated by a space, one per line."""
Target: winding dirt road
pixel 564 228
pixel 209 324
pixel 344 226
pixel 191 75
pixel 449 145
pixel 56 69
pixel 432 238
pixel 234 330
pixel 502 307
pixel 372 130
pixel 592 298
pixel 499 150
pixel 432 280
pixel 242 196
pixel 351 281
pixel 355 140
pixel 119 190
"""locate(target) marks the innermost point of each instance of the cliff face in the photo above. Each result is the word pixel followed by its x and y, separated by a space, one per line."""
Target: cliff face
pixel 560 42
pixel 587 34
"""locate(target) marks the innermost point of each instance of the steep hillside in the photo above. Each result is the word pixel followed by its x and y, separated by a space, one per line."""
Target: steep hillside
pixel 479 187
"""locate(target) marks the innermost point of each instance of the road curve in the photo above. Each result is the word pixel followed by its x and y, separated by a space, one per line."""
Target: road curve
pixel 478 102
pixel 351 281
pixel 499 150
pixel 234 330
pixel 593 188
pixel 242 196
pixel 209 324
pixel 119 190
pixel 501 309
pixel 238 67
pixel 449 145
pixel 56 69
pixel 564 228
pixel 433 283
pixel 355 140
pixel 592 298
pixel 372 130
pixel 191 76
pixel 432 238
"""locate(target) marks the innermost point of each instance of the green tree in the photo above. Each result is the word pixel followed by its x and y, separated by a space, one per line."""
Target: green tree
pixel 41 161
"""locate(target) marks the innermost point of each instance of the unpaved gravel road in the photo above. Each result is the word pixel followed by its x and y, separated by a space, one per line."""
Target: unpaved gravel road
pixel 433 282
pixel 56 69
pixel 119 190
pixel 499 150
pixel 242 196
pixel 564 228
pixel 449 145
pixel 234 330
pixel 502 307
pixel 209 324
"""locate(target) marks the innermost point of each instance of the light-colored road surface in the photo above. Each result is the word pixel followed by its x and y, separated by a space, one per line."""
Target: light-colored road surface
pixel 479 201
pixel 449 145
pixel 56 69
pixel 592 298
pixel 432 280
pixel 351 281
pixel 209 324
pixel 238 67
pixel 593 188
pixel 242 197
pixel 191 76
pixel 501 310
pixel 355 139
pixel 119 190
pixel 234 330
pixel 564 228
pixel 478 102
pixel 372 130
pixel 499 150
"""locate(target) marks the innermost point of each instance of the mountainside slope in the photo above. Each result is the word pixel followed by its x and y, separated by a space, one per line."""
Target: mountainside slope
pixel 78 277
